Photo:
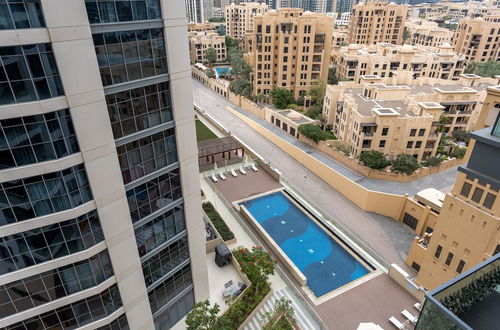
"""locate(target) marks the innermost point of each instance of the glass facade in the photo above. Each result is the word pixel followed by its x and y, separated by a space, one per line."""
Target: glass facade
pixel 176 311
pixel 171 287
pixel 118 324
pixel 107 11
pixel 34 139
pixel 135 110
pixel 43 288
pixel 20 14
pixel 144 156
pixel 28 73
pixel 50 242
pixel 75 315
pixel 44 194
pixel 130 55
pixel 154 194
pixel 165 261
pixel 159 230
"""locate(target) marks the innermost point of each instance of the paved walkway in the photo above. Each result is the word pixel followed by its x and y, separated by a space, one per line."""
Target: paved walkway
pixel 380 237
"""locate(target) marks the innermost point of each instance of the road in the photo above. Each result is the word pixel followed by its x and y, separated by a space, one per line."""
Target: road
pixel 389 238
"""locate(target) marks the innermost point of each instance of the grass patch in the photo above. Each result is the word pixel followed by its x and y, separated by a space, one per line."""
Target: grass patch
pixel 217 221
pixel 203 132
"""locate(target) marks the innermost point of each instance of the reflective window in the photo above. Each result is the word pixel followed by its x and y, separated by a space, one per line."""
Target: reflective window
pixel 34 139
pixel 164 261
pixel 42 288
pixel 75 315
pixel 44 194
pixel 50 242
pixel 154 194
pixel 20 14
pixel 159 230
pixel 144 156
pixel 176 311
pixel 28 73
pixel 140 108
pixel 118 324
pixel 130 55
pixel 105 11
pixel 171 287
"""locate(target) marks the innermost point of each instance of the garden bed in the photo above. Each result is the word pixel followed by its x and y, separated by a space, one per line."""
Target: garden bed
pixel 218 222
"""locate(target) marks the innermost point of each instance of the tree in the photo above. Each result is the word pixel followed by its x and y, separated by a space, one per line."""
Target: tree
pixel 315 112
pixel 257 264
pixel 405 163
pixel 281 97
pixel 211 56
pixel 374 159
pixel 332 76
pixel 484 69
pixel 460 135
pixel 217 20
pixel 210 73
pixel 241 87
pixel 406 35
pixel 202 316
pixel 315 133
pixel 458 152
pixel 232 43
pixel 434 161
pixel 317 92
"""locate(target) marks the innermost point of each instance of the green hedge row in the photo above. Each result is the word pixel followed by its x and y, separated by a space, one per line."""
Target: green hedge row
pixel 217 221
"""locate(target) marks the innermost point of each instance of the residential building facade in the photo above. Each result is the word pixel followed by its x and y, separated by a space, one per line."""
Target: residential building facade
pixel 200 42
pixel 97 153
pixel 426 33
pixel 478 38
pixel 466 231
pixel 377 21
pixel 400 115
pixel 240 18
pixel 289 49
pixel 386 60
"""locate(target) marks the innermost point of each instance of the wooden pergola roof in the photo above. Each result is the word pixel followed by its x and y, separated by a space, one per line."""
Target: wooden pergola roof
pixel 218 146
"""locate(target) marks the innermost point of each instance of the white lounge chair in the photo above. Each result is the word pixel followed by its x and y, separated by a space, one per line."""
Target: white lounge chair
pixel 418 306
pixel 214 178
pixel 413 319
pixel 254 168
pixel 233 173
pixel 396 322
pixel 243 171
pixel 222 176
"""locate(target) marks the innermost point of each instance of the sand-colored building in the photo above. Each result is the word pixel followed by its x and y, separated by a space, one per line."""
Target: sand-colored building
pixel 385 60
pixel 491 108
pixel 399 114
pixel 466 231
pixel 377 21
pixel 478 38
pixel 289 49
pixel 201 27
pixel 339 37
pixel 453 10
pixel 199 42
pixel 240 18
pixel 426 33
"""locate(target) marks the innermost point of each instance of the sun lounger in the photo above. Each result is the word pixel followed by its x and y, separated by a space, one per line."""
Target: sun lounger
pixel 214 178
pixel 254 168
pixel 233 173
pixel 222 176
pixel 243 171
pixel 413 319
pixel 396 322
pixel 418 306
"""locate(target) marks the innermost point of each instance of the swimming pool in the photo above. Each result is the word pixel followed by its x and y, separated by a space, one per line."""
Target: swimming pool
pixel 220 71
pixel 325 263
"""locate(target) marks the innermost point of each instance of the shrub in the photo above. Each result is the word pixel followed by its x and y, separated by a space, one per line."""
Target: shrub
pixel 434 161
pixel 460 135
pixel 217 221
pixel 374 159
pixel 281 97
pixel 315 133
pixel 405 164
pixel 202 316
pixel 458 152
pixel 314 112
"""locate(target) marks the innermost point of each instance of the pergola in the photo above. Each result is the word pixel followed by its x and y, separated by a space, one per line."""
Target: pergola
pixel 210 148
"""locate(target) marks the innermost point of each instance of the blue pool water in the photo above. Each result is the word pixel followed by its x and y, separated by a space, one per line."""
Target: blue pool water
pixel 325 263
pixel 222 71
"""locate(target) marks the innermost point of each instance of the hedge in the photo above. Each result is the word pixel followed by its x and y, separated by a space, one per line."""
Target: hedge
pixel 217 221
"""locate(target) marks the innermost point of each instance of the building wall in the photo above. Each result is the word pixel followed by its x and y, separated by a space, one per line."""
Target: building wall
pixel 200 42
pixel 478 38
pixel 377 21
pixel 290 49
pixel 427 33
pixel 240 18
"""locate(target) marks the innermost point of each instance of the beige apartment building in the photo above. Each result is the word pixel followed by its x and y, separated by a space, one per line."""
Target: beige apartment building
pixel 339 37
pixel 377 21
pixel 240 18
pixel 289 49
pixel 426 33
pixel 478 38
pixel 385 60
pixel 399 114
pixel 201 27
pixel 199 42
pixel 465 232
pixel 99 173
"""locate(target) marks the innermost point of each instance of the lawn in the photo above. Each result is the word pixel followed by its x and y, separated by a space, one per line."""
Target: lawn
pixel 203 132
